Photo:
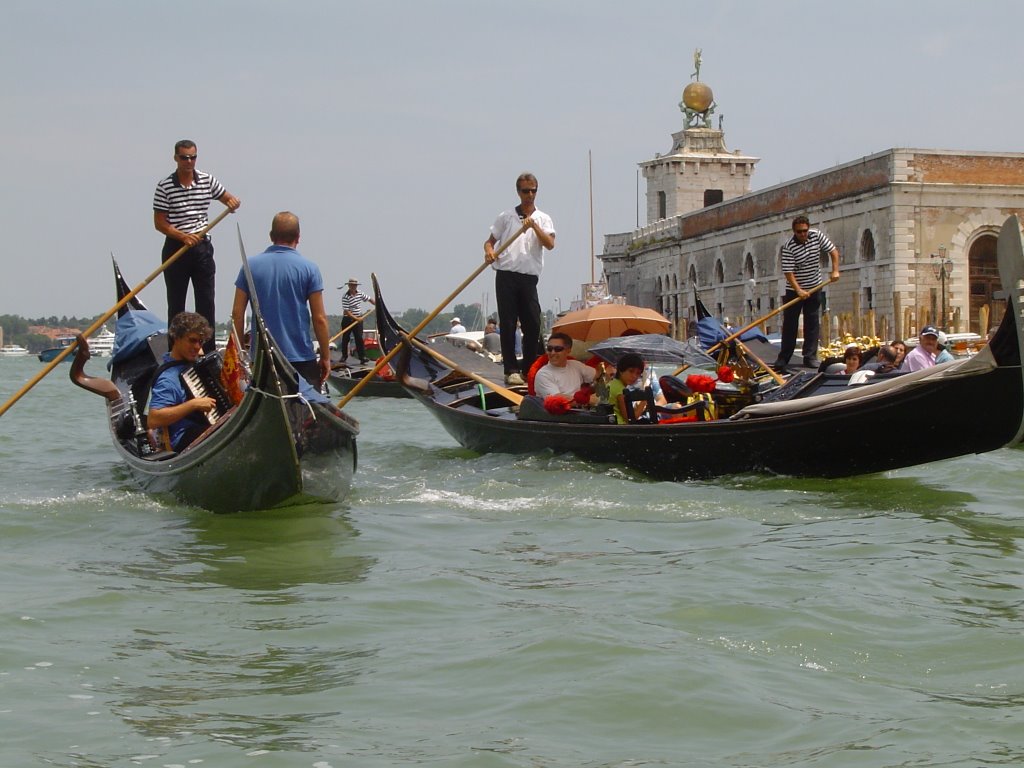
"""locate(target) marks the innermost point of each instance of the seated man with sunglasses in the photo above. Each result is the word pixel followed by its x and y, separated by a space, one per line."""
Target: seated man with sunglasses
pixel 561 376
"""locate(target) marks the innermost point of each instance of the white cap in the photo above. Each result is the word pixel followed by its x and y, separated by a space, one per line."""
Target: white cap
pixel 456 320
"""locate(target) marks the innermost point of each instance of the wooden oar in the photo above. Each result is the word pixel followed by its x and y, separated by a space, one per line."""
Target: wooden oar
pixel 514 397
pixel 385 359
pixel 773 313
pixel 106 316
pixel 736 334
pixel 349 327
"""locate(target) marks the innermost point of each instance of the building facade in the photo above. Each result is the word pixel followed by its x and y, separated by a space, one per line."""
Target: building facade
pixel 916 230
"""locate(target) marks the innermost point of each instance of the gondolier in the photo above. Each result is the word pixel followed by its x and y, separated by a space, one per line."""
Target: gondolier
pixel 352 311
pixel 517 272
pixel 180 206
pixel 802 268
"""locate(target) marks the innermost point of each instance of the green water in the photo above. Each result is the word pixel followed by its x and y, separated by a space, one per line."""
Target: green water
pixel 503 611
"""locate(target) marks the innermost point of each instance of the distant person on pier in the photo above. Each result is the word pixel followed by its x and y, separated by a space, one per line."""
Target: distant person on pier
pixel 290 291
pixel 180 206
pixel 801 266
pixel 517 271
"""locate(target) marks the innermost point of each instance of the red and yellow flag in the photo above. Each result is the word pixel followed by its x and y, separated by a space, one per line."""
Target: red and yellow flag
pixel 231 371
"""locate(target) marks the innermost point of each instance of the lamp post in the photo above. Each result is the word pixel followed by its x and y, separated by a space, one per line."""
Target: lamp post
pixel 942 266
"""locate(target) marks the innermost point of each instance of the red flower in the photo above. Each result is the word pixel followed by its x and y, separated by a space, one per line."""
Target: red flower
pixel 725 374
pixel 700 382
pixel 582 395
pixel 557 404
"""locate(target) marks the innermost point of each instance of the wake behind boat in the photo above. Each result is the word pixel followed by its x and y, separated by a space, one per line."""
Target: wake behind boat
pixel 281 444
pixel 811 429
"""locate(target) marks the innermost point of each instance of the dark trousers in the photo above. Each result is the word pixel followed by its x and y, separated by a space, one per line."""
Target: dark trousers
pixel 811 309
pixel 195 265
pixel 309 370
pixel 516 295
pixel 356 333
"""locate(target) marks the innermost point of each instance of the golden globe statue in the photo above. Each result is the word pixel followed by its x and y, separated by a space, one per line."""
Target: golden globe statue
pixel 698 96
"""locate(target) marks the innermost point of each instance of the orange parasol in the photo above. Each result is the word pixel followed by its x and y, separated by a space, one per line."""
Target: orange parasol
pixel 607 320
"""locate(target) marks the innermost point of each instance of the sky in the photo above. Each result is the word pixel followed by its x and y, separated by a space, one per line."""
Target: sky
pixel 396 129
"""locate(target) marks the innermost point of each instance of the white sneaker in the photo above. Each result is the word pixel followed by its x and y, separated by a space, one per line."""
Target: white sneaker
pixel 514 379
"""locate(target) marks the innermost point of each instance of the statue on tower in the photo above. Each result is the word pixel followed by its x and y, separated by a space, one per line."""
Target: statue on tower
pixel 698 102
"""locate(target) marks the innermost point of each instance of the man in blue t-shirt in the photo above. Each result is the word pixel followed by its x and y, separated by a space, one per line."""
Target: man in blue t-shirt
pixel 290 291
pixel 169 405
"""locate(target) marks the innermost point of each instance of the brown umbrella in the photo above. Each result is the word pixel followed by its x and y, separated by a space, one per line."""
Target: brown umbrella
pixel 607 320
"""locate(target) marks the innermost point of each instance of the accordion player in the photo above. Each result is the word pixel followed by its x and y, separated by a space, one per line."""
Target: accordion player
pixel 202 379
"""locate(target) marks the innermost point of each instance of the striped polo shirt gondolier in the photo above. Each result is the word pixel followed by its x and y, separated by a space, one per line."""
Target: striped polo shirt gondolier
pixel 352 302
pixel 181 205
pixel 801 266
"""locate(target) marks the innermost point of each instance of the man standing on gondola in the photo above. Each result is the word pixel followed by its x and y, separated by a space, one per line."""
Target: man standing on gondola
pixel 290 292
pixel 517 272
pixel 352 316
pixel 180 206
pixel 801 266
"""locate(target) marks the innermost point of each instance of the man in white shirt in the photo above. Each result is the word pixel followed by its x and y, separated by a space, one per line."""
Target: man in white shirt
pixel 517 272
pixel 457 326
pixel 560 375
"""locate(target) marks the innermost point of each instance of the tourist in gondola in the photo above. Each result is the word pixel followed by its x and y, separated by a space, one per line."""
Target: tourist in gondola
pixel 290 291
pixel 923 355
pixel 943 355
pixel 517 272
pixel 180 206
pixel 169 405
pixel 628 370
pixel 801 267
pixel 900 348
pixel 560 375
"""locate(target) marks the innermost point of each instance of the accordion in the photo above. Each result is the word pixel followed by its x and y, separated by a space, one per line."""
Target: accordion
pixel 202 379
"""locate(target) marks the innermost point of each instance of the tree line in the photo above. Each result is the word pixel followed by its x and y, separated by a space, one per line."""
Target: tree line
pixel 16 328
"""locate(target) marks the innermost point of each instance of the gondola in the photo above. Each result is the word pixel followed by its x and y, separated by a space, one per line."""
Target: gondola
pixel 343 379
pixel 282 444
pixel 967 406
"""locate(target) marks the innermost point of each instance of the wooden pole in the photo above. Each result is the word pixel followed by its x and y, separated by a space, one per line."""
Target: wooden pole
pixel 385 359
pixel 106 316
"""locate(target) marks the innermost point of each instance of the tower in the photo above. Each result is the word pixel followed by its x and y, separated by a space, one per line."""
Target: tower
pixel 698 171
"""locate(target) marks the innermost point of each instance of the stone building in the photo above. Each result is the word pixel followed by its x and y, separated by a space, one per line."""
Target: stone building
pixel 916 230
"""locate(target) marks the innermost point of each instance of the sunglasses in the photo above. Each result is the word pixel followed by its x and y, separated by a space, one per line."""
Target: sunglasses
pixel 801 231
pixel 552 348
pixel 528 191
pixel 187 158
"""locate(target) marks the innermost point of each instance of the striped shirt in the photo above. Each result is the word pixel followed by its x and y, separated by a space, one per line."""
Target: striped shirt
pixel 186 207
pixel 352 303
pixel 804 260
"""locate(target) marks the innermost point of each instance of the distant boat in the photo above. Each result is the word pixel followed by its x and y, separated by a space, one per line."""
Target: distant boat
pixel 12 350
pixel 101 343
pixel 63 342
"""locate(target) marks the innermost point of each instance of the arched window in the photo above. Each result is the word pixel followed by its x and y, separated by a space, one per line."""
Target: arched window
pixel 719 272
pixel 748 267
pixel 867 246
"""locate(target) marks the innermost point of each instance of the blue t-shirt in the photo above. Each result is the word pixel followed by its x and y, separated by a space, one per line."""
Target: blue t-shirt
pixel 284 280
pixel 168 391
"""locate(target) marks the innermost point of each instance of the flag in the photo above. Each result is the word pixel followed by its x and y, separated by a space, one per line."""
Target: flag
pixel 231 371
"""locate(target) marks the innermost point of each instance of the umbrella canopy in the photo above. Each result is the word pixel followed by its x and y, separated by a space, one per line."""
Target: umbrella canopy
pixel 606 320
pixel 654 348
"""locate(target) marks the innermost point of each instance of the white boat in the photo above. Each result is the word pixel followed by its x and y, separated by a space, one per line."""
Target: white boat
pixel 101 343
pixel 12 350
